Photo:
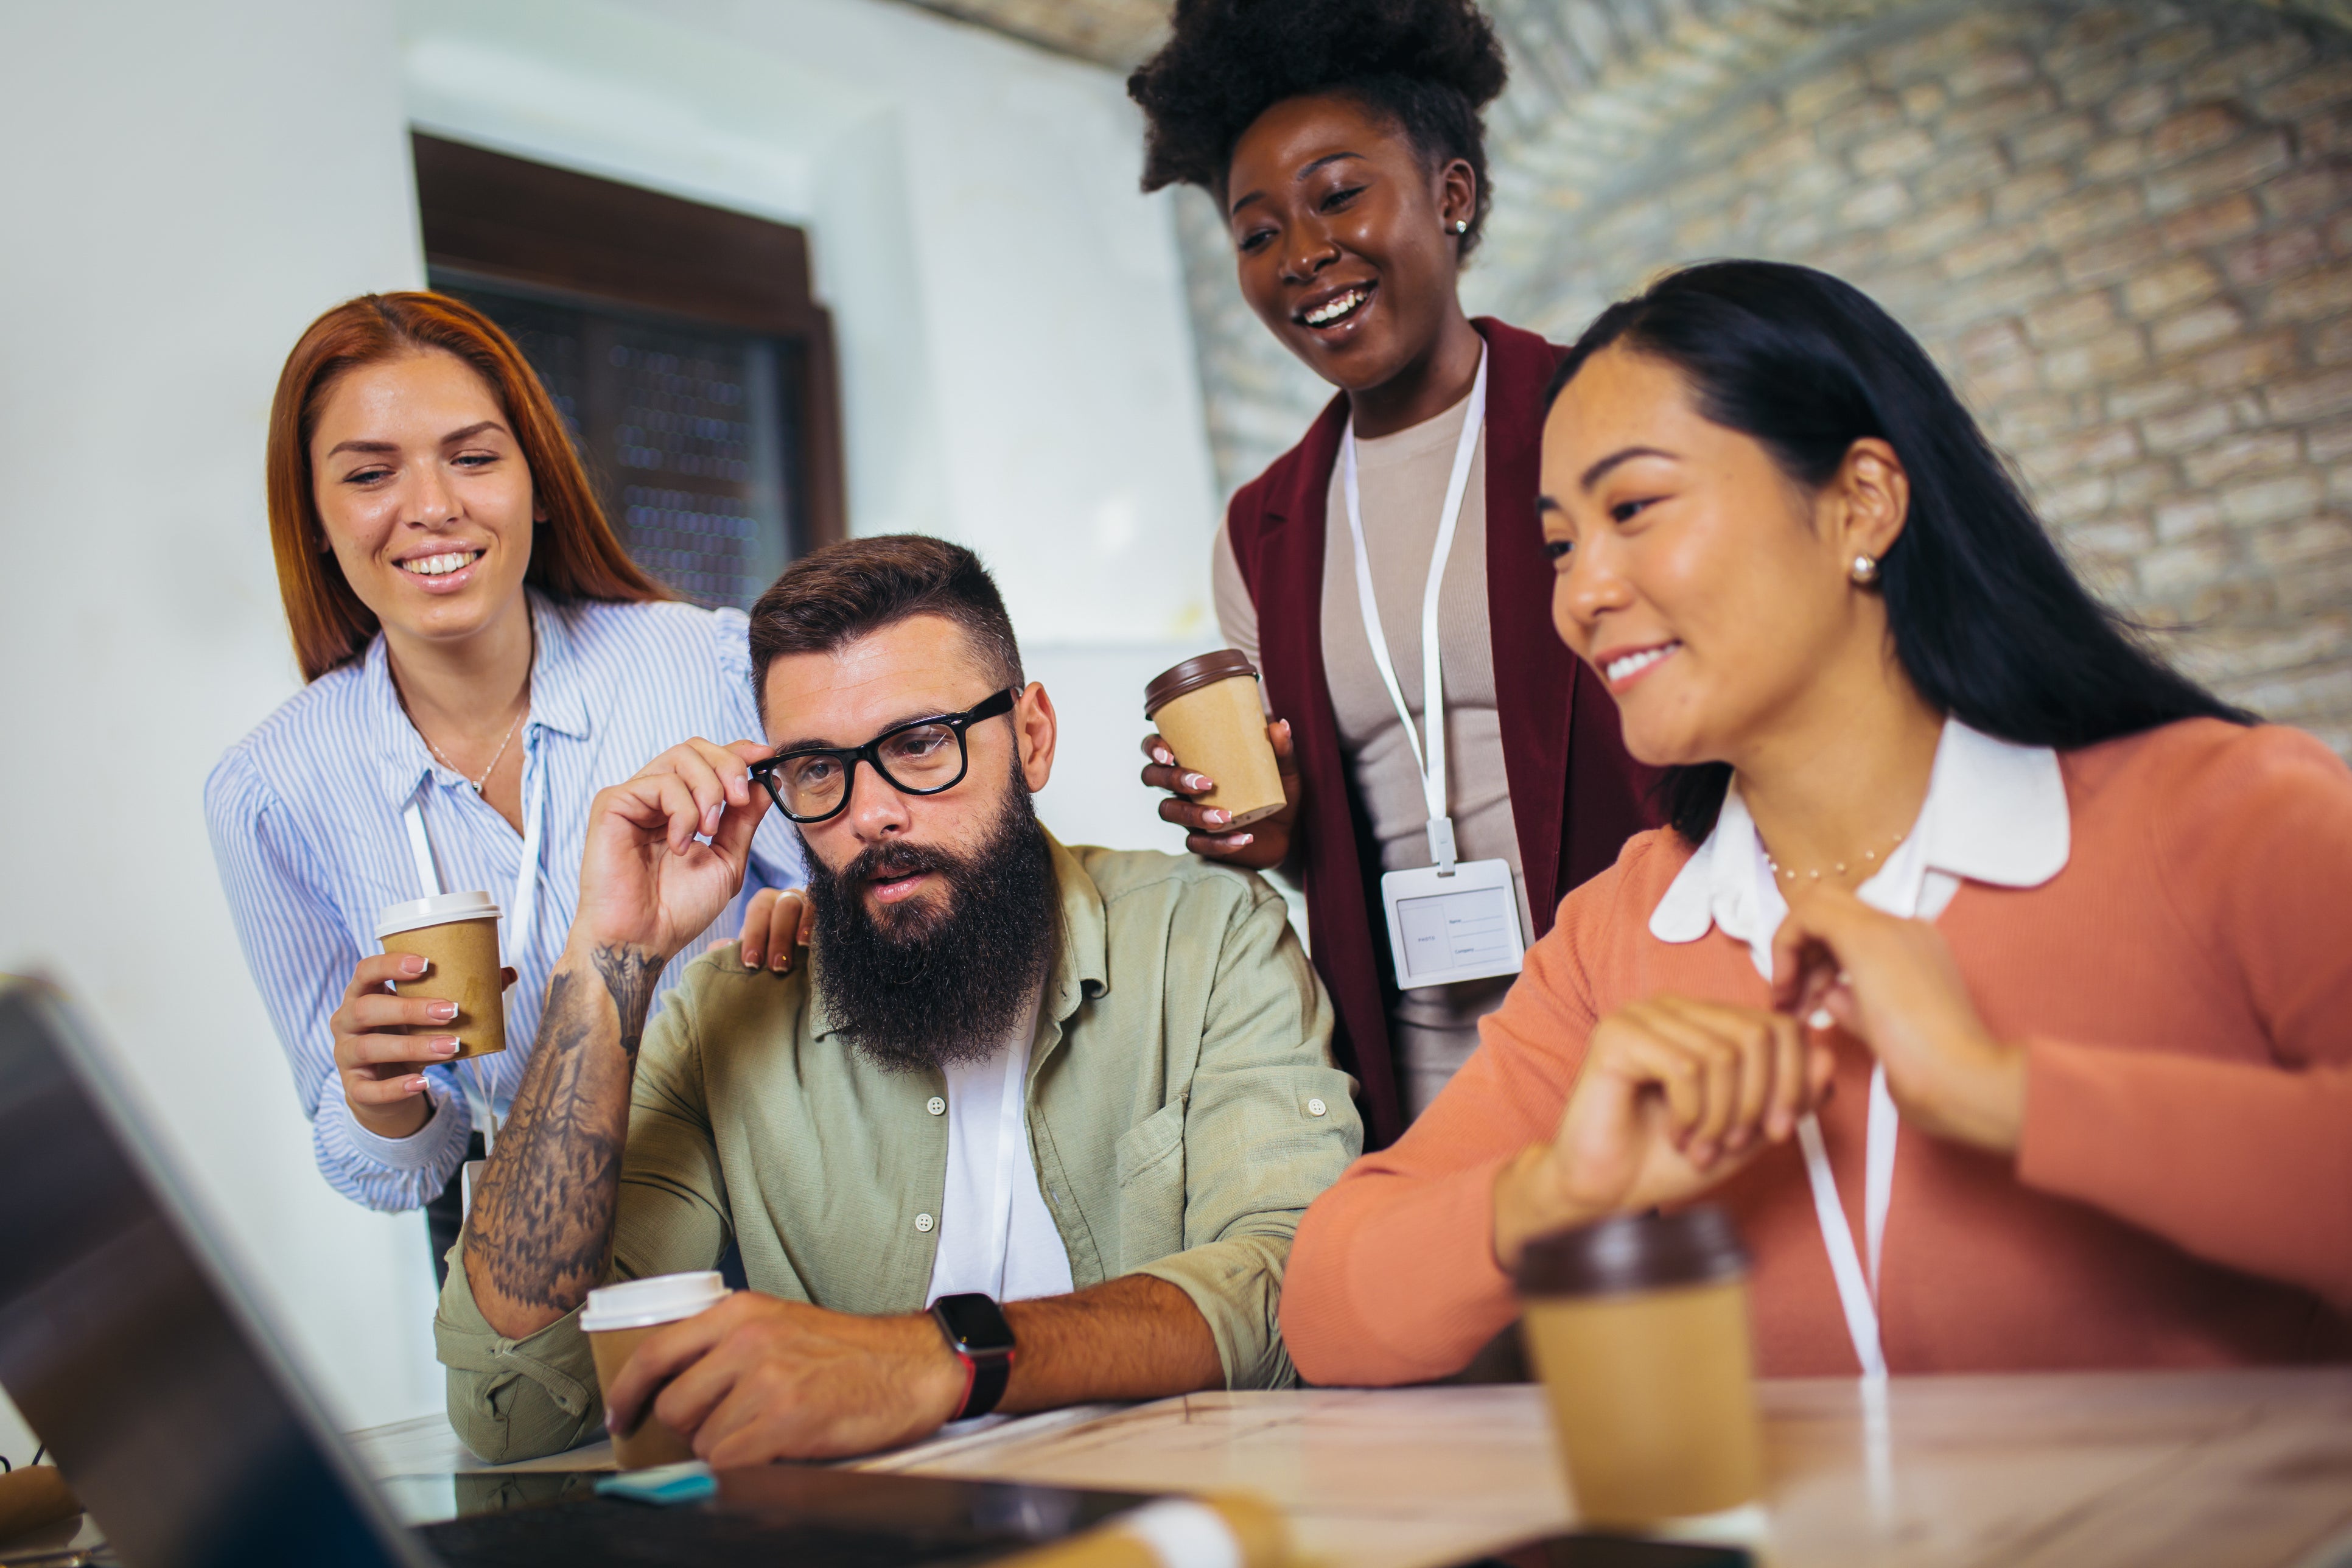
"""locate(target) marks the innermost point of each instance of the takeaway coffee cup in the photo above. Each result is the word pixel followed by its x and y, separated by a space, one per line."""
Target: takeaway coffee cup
pixel 1638 1327
pixel 458 935
pixel 1208 712
pixel 617 1319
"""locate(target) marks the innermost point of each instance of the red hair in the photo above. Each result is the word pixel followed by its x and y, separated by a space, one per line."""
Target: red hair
pixel 573 553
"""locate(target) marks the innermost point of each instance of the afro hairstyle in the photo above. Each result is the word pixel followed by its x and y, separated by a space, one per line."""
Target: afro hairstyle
pixel 1428 67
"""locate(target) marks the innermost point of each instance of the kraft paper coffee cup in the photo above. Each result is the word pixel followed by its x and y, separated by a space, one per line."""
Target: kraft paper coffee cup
pixel 1638 1327
pixel 457 934
pixel 1208 712
pixel 617 1319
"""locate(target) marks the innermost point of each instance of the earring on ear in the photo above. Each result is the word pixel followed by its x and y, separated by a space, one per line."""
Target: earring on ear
pixel 1462 225
pixel 1864 571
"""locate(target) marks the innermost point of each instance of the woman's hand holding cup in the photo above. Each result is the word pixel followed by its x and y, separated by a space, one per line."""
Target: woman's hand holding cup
pixel 1674 1096
pixel 1209 832
pixel 384 1042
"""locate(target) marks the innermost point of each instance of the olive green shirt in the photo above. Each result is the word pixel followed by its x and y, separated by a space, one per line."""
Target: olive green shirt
pixel 1182 1113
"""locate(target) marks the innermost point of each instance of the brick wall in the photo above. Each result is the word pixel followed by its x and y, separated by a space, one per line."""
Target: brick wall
pixel 2125 230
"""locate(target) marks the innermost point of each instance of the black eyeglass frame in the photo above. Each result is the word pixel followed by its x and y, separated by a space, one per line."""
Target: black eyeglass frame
pixel 990 707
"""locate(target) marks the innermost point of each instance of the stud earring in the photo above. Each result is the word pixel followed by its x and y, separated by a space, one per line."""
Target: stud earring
pixel 1865 570
pixel 1462 225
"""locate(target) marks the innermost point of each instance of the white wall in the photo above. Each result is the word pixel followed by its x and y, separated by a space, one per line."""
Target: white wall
pixel 188 185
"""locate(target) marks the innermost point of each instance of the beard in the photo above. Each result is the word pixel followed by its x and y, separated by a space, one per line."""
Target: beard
pixel 946 976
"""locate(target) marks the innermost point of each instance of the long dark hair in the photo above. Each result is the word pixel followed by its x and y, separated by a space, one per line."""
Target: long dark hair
pixel 1988 621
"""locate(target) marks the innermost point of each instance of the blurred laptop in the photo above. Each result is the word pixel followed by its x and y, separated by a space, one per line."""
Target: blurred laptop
pixel 133 1350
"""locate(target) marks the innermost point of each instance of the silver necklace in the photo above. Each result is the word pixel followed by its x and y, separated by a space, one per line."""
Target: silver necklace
pixel 1870 857
pixel 501 752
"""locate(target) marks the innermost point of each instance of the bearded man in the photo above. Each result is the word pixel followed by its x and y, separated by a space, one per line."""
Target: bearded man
pixel 1074 1100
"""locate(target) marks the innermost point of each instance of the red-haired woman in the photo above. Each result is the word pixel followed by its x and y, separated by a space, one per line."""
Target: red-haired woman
pixel 479 658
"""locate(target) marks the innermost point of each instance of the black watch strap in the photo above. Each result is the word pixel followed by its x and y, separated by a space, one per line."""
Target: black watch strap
pixel 976 1331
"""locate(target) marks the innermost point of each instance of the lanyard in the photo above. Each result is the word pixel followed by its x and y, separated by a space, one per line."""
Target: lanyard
pixel 1431 760
pixel 1857 1282
pixel 1857 1291
pixel 517 932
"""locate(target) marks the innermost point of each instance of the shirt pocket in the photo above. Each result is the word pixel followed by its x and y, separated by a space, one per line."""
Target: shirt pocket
pixel 1151 1160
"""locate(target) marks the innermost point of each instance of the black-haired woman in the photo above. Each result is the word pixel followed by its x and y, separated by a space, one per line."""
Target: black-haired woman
pixel 1342 142
pixel 2065 934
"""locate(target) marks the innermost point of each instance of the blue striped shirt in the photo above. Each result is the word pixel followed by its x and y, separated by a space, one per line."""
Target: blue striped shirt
pixel 307 827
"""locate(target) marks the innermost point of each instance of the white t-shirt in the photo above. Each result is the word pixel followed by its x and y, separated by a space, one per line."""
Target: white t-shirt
pixel 995 1236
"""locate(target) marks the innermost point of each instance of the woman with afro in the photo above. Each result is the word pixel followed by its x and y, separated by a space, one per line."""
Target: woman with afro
pixel 1342 142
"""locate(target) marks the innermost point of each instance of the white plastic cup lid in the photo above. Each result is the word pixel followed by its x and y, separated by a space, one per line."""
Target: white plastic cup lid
pixel 641 1303
pixel 438 910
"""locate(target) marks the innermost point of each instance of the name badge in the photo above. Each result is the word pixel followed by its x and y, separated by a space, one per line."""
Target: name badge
pixel 1447 928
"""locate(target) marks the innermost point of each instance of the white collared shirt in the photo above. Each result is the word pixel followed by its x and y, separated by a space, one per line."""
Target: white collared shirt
pixel 1995 813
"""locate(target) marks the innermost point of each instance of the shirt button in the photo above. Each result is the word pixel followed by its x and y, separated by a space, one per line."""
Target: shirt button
pixel 1316 1107
pixel 938 1107
pixel 923 1222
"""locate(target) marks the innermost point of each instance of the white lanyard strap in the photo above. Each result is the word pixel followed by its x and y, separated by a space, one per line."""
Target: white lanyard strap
pixel 517 927
pixel 1429 759
pixel 1857 1291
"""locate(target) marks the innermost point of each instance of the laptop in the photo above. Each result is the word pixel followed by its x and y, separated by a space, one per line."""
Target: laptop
pixel 134 1352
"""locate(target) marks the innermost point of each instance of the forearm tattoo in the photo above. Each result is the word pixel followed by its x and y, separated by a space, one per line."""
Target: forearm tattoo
pixel 542 1226
pixel 630 975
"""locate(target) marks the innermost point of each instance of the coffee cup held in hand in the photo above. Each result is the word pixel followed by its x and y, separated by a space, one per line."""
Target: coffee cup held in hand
pixel 1638 1327
pixel 457 934
pixel 1208 712
pixel 617 1319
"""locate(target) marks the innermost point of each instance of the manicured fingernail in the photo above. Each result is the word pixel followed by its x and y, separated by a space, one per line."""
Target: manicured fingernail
pixel 412 965
pixel 1819 1018
pixel 1238 839
pixel 1195 781
pixel 784 960
pixel 415 1085
pixel 443 1011
pixel 1215 818
pixel 1163 756
pixel 447 1046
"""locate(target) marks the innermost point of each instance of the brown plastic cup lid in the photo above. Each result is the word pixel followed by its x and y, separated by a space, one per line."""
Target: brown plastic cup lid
pixel 1204 670
pixel 1634 1252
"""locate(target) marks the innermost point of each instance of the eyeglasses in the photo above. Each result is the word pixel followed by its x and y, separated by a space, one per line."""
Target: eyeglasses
pixel 925 756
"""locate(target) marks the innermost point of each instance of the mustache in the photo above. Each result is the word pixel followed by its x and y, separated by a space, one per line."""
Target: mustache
pixel 893 858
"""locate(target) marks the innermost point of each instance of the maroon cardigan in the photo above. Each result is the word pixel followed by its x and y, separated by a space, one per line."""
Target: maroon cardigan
pixel 1576 796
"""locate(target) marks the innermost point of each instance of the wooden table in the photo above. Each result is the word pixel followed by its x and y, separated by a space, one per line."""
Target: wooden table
pixel 2239 1470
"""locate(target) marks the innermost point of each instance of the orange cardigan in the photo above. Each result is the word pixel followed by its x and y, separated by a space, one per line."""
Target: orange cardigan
pixel 2182 1193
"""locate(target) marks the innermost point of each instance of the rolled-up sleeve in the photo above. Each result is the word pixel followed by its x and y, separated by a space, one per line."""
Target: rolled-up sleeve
pixel 517 1399
pixel 1269 1123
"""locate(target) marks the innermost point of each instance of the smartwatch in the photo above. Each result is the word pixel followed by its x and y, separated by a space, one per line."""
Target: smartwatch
pixel 981 1338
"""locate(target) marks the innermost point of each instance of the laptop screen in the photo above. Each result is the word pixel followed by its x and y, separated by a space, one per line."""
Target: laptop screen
pixel 128 1348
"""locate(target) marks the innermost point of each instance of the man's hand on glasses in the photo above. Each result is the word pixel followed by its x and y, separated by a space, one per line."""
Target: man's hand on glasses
pixel 667 849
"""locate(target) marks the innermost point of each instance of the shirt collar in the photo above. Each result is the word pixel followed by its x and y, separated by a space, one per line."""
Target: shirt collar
pixel 557 703
pixel 1995 813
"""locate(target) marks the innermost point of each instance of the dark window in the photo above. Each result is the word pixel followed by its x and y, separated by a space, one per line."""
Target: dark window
pixel 679 343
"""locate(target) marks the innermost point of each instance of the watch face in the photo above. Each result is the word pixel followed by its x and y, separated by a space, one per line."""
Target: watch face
pixel 974 1322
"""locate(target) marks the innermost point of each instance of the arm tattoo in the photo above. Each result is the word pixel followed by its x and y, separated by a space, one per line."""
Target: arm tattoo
pixel 542 1226
pixel 630 973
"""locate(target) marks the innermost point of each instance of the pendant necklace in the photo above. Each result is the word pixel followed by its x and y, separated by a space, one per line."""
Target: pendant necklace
pixel 495 757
